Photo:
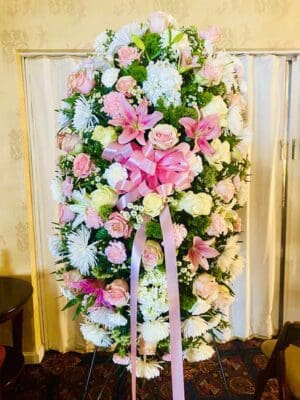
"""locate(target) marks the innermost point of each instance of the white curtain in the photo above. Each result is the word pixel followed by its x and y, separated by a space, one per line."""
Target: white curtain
pixel 255 309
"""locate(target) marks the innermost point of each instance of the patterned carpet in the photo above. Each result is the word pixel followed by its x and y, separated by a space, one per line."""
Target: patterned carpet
pixel 61 377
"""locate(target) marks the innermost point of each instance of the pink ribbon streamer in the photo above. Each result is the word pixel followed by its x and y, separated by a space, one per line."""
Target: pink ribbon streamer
pixel 173 300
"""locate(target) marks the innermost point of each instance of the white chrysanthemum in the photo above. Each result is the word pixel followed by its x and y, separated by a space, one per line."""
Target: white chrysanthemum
pixel 163 82
pixel 83 116
pixel 56 190
pixel 62 119
pixel 146 369
pixel 114 174
pixel 242 194
pixel 81 203
pixel 194 326
pixel 54 244
pixel 123 37
pixel 214 322
pixel 67 293
pixel 201 353
pixel 107 317
pixel 109 77
pixel 223 336
pixel 236 267
pixel 98 336
pixel 154 331
pixel 231 249
pixel 200 307
pixel 82 255
pixel 235 120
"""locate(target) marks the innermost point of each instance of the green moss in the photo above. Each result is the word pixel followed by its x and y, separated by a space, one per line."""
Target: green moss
pixel 137 71
pixel 172 114
pixel 153 230
pixel 152 44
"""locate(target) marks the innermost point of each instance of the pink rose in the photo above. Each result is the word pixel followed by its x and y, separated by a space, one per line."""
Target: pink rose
pixel 116 252
pixel 212 72
pixel 67 142
pixel 237 182
pixel 79 82
pixel 158 22
pixel 146 348
pixel 218 225
pixel 127 54
pixel 125 84
pixel 92 219
pixel 163 136
pixel 152 255
pixel 117 226
pixel 205 285
pixel 120 360
pixel 180 233
pixel 225 189
pixel 82 165
pixel 67 187
pixel 117 293
pixel 238 225
pixel 65 214
pixel 112 104
pixel 224 298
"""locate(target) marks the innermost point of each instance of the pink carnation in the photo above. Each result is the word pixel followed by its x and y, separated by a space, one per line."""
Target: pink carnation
pixel 117 226
pixel 212 72
pixel 80 82
pixel 218 225
pixel 205 285
pixel 120 360
pixel 92 219
pixel 67 187
pixel 82 165
pixel 225 189
pixel 67 142
pixel 116 252
pixel 125 84
pixel 112 104
pixel 180 233
pixel 117 293
pixel 65 214
pixel 70 277
pixel 127 55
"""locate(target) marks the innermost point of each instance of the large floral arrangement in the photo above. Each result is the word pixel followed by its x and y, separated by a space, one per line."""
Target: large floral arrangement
pixel 153 119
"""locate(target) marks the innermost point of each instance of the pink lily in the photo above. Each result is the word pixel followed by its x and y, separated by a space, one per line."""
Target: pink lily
pixel 202 130
pixel 93 287
pixel 200 252
pixel 135 121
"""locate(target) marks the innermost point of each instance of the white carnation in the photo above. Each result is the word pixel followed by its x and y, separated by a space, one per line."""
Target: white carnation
pixel 194 326
pixel 146 369
pixel 201 353
pixel 163 82
pixel 96 335
pixel 67 293
pixel 109 77
pixel 114 174
pixel 107 317
pixel 154 331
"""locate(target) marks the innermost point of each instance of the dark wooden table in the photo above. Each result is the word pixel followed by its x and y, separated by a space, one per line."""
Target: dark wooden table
pixel 14 293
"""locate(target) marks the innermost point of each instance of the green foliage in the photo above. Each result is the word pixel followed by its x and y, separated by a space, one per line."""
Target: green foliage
pixel 209 176
pixel 101 234
pixel 187 301
pixel 137 71
pixel 231 139
pixel 172 114
pixel 138 42
pixel 197 226
pixel 153 230
pixel 218 90
pixel 152 44
pixel 105 212
pixel 190 90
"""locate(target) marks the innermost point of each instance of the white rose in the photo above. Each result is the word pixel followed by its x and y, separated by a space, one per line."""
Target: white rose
pixel 196 204
pixel 216 106
pixel 221 154
pixel 153 204
pixel 159 21
pixel 109 77
pixel 114 174
pixel 104 196
pixel 163 136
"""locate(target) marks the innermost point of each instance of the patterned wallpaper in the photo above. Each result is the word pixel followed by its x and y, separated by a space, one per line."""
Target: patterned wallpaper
pixel 69 24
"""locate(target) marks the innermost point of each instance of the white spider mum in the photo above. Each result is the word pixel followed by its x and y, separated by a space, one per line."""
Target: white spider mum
pixel 62 119
pixel 123 36
pixel 56 190
pixel 107 317
pixel 114 174
pixel 236 267
pixel 67 293
pixel 154 331
pixel 83 116
pixel 82 202
pixel 201 353
pixel 146 369
pixel 98 336
pixel 235 120
pixel 163 82
pixel 194 326
pixel 101 43
pixel 82 255
pixel 54 244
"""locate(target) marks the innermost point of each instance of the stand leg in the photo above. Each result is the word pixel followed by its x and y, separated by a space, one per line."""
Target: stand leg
pixel 228 395
pixel 86 386
pixel 17 328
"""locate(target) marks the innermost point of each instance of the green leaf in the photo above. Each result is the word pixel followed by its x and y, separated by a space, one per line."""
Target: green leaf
pixel 71 303
pixel 77 312
pixel 178 37
pixel 138 42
